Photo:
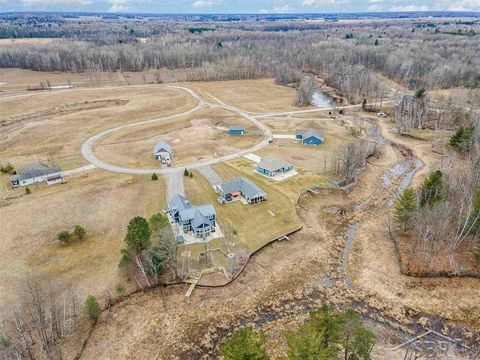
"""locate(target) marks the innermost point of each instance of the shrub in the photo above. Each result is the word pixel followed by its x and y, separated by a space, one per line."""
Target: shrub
pixel 120 289
pixel 7 168
pixel 245 344
pixel 186 172
pixel 154 177
pixel 64 237
pixel 92 307
pixel 28 191
pixel 79 232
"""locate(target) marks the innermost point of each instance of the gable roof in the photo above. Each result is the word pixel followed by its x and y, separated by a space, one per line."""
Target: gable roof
pixel 311 132
pixel 179 203
pixel 31 171
pixel 247 187
pixel 236 127
pixel 199 219
pixel 271 163
pixel 162 145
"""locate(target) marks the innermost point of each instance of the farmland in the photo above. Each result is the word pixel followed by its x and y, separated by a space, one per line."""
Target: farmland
pixel 380 214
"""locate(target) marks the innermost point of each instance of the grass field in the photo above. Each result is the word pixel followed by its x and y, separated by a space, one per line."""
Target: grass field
pixel 198 136
pixel 53 126
pixel 317 159
pixel 101 202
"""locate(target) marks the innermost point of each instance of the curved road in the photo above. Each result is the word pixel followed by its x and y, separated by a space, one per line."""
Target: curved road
pixel 88 154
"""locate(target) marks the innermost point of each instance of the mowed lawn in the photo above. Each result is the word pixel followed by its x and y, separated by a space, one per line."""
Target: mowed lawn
pixel 256 224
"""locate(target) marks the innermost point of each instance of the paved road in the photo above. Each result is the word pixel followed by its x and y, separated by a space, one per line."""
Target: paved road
pixel 175 184
pixel 306 111
pixel 88 154
pixel 211 175
pixel 79 170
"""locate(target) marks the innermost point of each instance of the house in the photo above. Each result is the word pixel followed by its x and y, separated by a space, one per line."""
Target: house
pixel 271 166
pixel 236 130
pixel 163 152
pixel 310 137
pixel 240 187
pixel 37 173
pixel 199 220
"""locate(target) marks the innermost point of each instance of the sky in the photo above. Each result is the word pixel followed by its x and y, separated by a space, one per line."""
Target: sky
pixel 238 6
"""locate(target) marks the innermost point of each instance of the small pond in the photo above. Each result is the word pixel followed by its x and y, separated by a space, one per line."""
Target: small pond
pixel 321 99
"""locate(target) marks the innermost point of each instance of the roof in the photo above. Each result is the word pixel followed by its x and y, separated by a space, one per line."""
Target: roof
pixel 199 219
pixel 271 163
pixel 34 170
pixel 247 187
pixel 179 202
pixel 311 132
pixel 162 145
pixel 236 127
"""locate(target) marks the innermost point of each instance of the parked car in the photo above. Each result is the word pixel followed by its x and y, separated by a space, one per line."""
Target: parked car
pixel 382 114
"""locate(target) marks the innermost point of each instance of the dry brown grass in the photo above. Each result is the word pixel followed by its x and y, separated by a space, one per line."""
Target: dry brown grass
pixel 193 138
pixel 317 159
pixel 261 95
pixel 101 202
pixel 30 136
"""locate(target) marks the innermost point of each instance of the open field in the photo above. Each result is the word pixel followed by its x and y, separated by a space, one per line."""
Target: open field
pixel 199 136
pixel 318 159
pixel 53 126
pixel 261 95
pixel 101 202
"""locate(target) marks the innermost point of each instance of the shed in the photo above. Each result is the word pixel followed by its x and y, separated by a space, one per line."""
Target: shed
pixel 236 130
pixel 310 136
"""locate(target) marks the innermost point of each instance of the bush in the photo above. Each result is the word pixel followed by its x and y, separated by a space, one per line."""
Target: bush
pixel 3 341
pixel 64 237
pixel 92 307
pixel 7 168
pixel 158 221
pixel 79 232
pixel 245 344
pixel 28 191
pixel 186 172
pixel 154 177
pixel 120 289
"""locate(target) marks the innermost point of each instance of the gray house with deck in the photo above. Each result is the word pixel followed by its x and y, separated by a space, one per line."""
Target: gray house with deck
pixel 240 187
pixel 37 173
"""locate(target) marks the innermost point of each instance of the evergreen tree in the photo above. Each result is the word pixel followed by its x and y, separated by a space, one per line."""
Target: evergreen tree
pixel 154 177
pixel 404 208
pixel 92 307
pixel 357 341
pixel 432 189
pixel 245 344
pixel 462 140
pixel 364 105
pixel 138 234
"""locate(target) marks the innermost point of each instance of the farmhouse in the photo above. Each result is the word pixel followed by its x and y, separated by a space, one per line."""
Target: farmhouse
pixel 236 130
pixel 37 173
pixel 271 166
pixel 198 220
pixel 310 137
pixel 163 152
pixel 240 187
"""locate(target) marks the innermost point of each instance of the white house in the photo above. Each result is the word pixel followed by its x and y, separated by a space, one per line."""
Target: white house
pixel 37 173
pixel 163 152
